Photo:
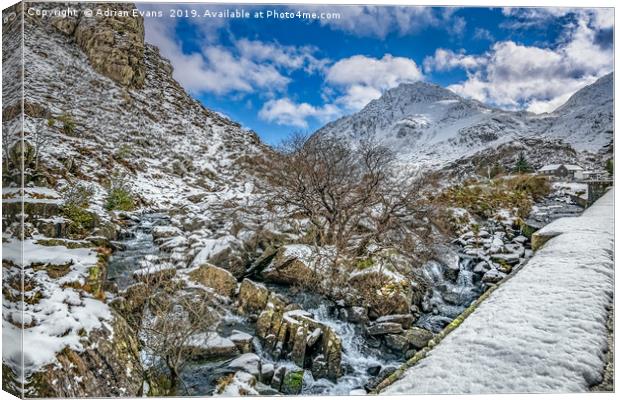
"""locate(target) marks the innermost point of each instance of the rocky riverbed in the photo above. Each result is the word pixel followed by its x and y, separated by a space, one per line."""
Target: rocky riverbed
pixel 275 338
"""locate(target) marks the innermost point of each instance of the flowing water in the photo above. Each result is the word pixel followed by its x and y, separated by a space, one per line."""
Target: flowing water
pixel 136 247
pixel 448 298
pixel 360 354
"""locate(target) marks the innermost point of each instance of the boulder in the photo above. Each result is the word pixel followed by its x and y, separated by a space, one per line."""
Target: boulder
pixel 493 276
pixel 242 340
pixel 482 267
pixel 397 343
pixel 265 390
pixel 385 372
pixel 418 338
pixel 374 370
pixel 451 271
pixel 278 378
pixel 253 297
pixel 383 328
pixel 108 367
pixel 266 372
pixel 510 258
pixel 357 315
pixel 296 335
pixel 405 320
pixel 205 346
pixel 249 363
pixel 220 280
pixel 292 265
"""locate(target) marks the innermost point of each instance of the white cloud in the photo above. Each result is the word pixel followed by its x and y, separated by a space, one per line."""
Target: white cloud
pixel 483 34
pixel 352 83
pixel 246 67
pixel 286 112
pixel 363 79
pixel 444 60
pixel 289 57
pixel 538 79
pixel 380 21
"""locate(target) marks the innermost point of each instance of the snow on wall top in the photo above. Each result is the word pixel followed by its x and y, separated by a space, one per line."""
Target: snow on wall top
pixel 541 331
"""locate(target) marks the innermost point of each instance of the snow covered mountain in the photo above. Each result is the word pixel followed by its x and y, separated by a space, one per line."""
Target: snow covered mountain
pixel 586 120
pixel 430 125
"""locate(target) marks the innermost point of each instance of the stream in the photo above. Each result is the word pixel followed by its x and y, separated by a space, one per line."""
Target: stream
pixel 452 291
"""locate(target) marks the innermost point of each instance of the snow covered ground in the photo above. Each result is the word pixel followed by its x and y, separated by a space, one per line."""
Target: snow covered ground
pixel 541 331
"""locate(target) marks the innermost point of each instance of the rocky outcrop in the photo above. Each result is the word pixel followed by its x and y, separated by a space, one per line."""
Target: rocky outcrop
pixel 109 367
pixel 114 44
pixel 292 265
pixel 253 297
pixel 293 333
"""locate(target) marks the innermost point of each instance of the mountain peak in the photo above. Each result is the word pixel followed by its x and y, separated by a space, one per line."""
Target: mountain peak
pixel 420 92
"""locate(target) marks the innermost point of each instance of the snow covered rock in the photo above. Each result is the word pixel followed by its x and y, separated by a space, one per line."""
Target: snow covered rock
pixel 211 345
pixel 249 363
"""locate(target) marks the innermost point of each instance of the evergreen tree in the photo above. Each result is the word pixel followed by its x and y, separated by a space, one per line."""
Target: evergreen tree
pixel 609 166
pixel 522 165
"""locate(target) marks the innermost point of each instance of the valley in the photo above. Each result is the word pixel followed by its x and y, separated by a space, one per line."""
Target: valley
pixel 153 247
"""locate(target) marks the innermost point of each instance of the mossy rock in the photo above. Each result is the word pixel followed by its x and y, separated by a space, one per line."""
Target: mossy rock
pixel 293 382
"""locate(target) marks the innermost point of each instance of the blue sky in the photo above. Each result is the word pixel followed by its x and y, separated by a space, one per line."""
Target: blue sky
pixel 278 76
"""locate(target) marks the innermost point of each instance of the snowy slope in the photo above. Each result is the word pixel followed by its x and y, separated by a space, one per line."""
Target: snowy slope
pixel 427 124
pixel 543 330
pixel 586 119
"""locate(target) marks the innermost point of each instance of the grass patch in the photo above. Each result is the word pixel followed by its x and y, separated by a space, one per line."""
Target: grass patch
pixel 120 199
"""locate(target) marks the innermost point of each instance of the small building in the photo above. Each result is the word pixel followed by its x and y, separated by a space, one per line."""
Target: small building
pixel 565 171
pixel 591 175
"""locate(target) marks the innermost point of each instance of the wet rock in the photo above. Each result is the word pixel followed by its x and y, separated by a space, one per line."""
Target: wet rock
pixel 397 343
pixel 278 378
pixel 220 280
pixel 266 372
pixel 357 315
pixel 249 363
pixel 451 271
pixel 385 372
pixel 374 370
pixel 384 328
pixel 418 337
pixel 242 340
pixel 493 276
pixel 253 297
pixel 405 320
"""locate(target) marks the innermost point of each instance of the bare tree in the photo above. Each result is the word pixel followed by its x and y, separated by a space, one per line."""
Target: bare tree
pixel 351 196
pixel 174 323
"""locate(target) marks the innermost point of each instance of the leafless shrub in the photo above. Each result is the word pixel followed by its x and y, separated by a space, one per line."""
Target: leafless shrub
pixel 172 319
